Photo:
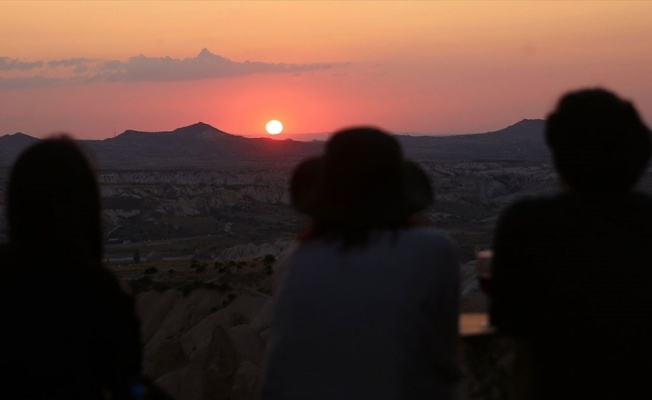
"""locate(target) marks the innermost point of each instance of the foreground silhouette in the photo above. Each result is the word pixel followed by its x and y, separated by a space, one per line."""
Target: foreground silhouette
pixel 69 331
pixel 572 272
pixel 367 303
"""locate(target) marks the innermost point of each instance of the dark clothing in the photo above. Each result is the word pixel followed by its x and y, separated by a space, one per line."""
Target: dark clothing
pixel 69 332
pixel 572 275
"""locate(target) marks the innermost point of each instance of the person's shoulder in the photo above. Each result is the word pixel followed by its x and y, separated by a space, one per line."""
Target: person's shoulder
pixel 430 251
pixel 524 210
pixel 533 205
pixel 426 234
pixel 426 239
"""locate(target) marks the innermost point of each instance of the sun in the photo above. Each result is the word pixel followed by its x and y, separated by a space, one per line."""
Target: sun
pixel 274 127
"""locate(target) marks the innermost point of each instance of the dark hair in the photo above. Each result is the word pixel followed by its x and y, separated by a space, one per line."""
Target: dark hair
pixel 53 202
pixel 599 142
pixel 362 183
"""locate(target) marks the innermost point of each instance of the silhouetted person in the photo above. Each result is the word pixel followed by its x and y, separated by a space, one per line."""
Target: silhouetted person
pixel 572 273
pixel 68 330
pixel 367 302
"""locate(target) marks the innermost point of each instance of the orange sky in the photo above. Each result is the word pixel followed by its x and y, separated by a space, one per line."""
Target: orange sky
pixel 410 67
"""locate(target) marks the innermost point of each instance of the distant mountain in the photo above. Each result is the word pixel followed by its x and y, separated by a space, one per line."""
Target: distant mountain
pixel 12 145
pixel 523 140
pixel 201 145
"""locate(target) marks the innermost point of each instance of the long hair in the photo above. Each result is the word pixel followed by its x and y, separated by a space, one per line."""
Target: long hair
pixel 53 203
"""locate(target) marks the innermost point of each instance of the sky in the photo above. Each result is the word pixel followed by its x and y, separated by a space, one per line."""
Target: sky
pixel 96 68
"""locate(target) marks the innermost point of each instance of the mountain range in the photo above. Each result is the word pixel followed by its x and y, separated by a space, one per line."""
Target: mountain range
pixel 202 145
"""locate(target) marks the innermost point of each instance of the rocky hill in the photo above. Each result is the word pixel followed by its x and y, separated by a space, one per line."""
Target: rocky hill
pixel 521 141
pixel 12 145
pixel 195 146
pixel 203 146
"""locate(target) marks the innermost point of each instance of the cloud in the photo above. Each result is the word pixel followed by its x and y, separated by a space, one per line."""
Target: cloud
pixel 8 64
pixel 69 62
pixel 205 65
pixel 112 64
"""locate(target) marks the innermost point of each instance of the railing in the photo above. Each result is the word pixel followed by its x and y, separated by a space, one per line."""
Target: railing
pixel 487 360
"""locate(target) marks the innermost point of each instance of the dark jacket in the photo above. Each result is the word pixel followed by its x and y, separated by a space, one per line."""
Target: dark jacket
pixel 572 276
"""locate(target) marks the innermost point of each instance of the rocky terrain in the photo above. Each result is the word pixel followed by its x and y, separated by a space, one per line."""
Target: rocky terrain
pixel 144 210
pixel 205 327
pixel 219 190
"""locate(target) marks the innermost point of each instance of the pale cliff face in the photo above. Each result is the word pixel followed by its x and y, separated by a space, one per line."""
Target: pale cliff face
pixel 200 192
pixel 192 193
pixel 244 204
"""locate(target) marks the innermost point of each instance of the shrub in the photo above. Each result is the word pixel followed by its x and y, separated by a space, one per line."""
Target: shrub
pixel 199 267
pixel 141 284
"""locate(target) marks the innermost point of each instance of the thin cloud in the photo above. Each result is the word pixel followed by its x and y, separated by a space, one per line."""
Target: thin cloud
pixel 69 62
pixel 111 65
pixel 205 65
pixel 9 64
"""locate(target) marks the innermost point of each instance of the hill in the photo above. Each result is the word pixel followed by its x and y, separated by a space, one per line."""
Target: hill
pixel 12 145
pixel 522 141
pixel 192 146
pixel 201 146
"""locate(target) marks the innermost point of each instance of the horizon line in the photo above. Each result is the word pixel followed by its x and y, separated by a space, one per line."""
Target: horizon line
pixel 263 136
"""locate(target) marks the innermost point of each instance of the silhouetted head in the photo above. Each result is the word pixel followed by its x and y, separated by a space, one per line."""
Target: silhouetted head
pixel 362 181
pixel 53 203
pixel 599 142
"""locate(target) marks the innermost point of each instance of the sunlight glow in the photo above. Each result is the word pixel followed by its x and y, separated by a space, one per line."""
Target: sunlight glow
pixel 274 127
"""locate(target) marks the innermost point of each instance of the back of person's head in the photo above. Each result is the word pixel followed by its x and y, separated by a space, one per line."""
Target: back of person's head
pixel 53 203
pixel 598 140
pixel 362 182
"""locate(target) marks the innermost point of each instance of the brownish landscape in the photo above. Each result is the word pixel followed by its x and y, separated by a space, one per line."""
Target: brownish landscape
pixel 195 219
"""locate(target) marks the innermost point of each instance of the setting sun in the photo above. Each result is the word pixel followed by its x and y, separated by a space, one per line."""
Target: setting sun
pixel 274 127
